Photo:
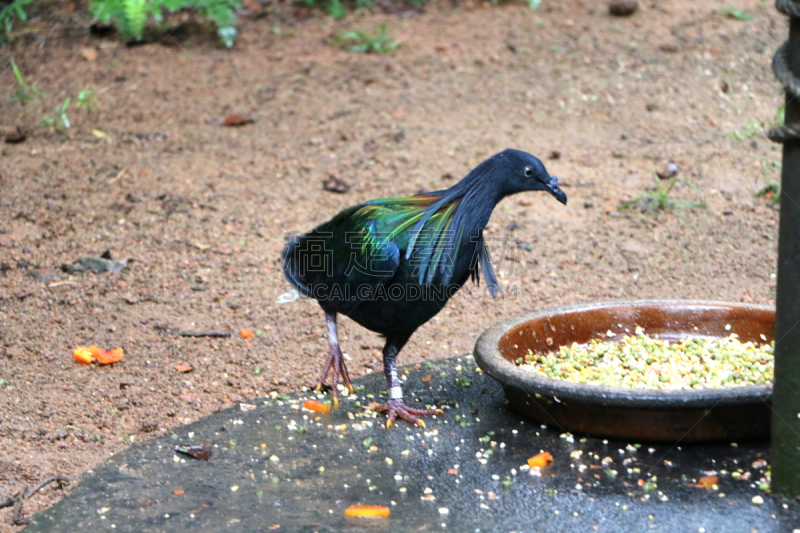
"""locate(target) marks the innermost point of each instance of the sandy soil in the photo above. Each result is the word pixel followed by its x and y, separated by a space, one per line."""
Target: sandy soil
pixel 201 210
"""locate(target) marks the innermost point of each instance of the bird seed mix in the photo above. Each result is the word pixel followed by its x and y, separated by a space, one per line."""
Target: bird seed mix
pixel 646 362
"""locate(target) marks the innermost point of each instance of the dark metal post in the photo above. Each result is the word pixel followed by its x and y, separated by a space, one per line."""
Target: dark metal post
pixel 786 393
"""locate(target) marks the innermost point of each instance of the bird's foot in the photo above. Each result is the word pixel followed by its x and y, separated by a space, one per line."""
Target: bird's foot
pixel 335 361
pixel 396 408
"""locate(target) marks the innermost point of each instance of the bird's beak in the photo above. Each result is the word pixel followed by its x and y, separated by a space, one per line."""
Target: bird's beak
pixel 553 188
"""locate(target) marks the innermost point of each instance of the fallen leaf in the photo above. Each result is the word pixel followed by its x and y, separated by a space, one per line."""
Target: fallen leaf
pixel 89 54
pixel 184 368
pixel 453 471
pixel 427 378
pixel 247 407
pixel 201 450
pixel 16 136
pixel 334 184
pixel 237 120
pixel 367 511
pixel 540 460
pixel 274 526
pixel 178 492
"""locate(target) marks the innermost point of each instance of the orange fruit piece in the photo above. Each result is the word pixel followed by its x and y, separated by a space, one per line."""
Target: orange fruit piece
pixel 110 356
pixel 319 407
pixel 82 355
pixel 246 333
pixel 707 482
pixel 367 511
pixel 540 460
pixel 95 351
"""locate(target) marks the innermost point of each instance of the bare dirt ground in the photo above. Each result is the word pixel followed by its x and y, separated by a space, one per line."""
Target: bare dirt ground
pixel 201 210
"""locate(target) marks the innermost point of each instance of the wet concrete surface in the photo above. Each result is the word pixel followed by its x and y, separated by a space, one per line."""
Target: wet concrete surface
pixel 280 467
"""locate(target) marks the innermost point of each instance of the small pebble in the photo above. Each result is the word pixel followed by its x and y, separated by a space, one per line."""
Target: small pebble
pixel 623 8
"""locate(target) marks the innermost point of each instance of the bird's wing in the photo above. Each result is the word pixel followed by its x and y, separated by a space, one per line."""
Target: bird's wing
pixel 363 247
pixel 423 227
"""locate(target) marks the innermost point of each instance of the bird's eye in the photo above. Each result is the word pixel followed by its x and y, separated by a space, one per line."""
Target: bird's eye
pixel 528 172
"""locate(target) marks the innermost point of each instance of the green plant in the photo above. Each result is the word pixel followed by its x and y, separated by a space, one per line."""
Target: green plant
pixel 130 16
pixel 282 32
pixel 771 191
pixel 336 9
pixel 15 9
pixel 87 101
pixel 24 91
pixel 734 13
pixel 780 115
pixel 751 130
pixel 358 41
pixel 660 197
pixel 61 117
pixel 62 112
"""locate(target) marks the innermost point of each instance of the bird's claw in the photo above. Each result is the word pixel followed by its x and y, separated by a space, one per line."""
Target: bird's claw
pixel 335 364
pixel 396 408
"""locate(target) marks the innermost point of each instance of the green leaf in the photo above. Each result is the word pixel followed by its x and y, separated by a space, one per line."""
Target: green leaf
pixel 62 111
pixel 135 16
pixel 7 14
pixel 774 188
pixel 732 12
pixel 336 9
pixel 780 115
pixel 130 16
pixel 533 5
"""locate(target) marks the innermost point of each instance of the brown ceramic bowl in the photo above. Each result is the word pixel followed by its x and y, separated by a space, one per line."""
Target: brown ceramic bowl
pixel 692 415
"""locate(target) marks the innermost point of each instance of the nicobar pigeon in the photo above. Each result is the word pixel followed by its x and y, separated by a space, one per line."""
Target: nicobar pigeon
pixel 391 264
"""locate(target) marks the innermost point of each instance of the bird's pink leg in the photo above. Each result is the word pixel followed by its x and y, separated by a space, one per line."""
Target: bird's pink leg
pixel 334 360
pixel 395 407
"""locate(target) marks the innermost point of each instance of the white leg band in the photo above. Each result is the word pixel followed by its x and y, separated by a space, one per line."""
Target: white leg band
pixel 396 393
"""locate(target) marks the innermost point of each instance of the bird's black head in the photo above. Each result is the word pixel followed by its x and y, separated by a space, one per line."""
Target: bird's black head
pixel 520 171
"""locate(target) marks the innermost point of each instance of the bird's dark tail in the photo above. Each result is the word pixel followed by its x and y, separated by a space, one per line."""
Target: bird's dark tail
pixel 291 266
